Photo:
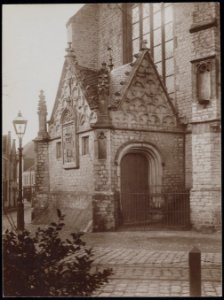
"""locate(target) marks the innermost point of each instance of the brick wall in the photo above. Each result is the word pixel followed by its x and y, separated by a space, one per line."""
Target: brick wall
pixel 110 34
pixel 206 152
pixel 80 179
pixel 107 176
pixel 170 147
pixel 83 32
pixel 92 30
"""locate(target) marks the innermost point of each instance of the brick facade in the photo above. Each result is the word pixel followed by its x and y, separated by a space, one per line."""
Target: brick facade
pixel 127 110
pixel 206 151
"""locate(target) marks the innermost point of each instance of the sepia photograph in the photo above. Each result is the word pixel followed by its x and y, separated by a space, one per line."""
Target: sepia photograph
pixel 111 150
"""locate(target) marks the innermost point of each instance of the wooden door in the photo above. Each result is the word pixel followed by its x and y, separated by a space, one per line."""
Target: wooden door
pixel 134 188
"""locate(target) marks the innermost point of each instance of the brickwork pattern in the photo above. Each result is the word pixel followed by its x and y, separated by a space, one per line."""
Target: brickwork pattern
pixel 205 194
pixel 110 34
pixel 206 209
pixel 170 147
pixel 82 30
pixel 80 179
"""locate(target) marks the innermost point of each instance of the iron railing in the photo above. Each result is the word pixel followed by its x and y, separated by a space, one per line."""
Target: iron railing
pixel 161 207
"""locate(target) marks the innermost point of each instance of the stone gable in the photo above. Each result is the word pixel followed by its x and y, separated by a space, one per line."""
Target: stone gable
pixel 77 90
pixel 143 101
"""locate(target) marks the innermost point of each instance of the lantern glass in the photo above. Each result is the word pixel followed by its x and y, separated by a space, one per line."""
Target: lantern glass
pixel 20 125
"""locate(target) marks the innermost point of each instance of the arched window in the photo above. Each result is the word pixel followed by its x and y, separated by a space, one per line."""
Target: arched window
pixel 153 22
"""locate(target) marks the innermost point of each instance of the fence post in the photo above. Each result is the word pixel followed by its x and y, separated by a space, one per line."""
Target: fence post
pixel 195 272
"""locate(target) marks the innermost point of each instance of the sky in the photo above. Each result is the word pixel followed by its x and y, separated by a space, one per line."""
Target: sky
pixel 34 42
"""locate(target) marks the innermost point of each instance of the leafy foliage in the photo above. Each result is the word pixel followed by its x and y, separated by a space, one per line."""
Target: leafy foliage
pixel 46 265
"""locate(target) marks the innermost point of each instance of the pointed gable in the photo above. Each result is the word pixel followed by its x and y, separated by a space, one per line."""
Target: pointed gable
pixel 141 99
pixel 78 89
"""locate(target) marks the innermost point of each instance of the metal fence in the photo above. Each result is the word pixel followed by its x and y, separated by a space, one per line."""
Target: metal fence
pixel 162 207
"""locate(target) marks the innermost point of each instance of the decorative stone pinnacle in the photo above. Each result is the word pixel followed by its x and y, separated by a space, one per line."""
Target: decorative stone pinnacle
pixel 42 103
pixel 42 112
pixel 70 56
pixel 41 96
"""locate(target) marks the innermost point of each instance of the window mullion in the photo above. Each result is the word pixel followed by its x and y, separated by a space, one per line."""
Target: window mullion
pixel 141 25
pixel 163 42
pixel 151 31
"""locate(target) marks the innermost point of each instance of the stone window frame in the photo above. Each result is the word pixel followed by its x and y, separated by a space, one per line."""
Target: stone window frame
pixel 155 161
pixel 85 145
pixel 58 150
pixel 199 67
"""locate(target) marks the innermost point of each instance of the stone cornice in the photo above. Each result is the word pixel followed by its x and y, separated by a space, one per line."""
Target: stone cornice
pixel 203 58
pixel 205 121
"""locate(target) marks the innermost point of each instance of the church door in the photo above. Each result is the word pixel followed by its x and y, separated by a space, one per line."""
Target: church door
pixel 134 188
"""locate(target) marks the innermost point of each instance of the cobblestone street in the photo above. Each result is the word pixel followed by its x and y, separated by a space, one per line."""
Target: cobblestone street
pixel 147 264
pixel 155 273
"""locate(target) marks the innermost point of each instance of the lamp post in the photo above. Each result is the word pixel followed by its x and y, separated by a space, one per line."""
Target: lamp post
pixel 20 127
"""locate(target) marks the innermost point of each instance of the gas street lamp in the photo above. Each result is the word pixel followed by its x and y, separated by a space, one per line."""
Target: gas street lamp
pixel 20 127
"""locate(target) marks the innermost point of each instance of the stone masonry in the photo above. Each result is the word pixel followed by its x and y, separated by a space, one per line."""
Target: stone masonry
pixel 109 105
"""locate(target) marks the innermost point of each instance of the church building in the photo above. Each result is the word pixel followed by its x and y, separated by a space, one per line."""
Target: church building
pixel 134 135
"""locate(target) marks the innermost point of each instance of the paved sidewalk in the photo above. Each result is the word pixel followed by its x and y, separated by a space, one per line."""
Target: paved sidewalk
pixel 155 273
pixel 141 265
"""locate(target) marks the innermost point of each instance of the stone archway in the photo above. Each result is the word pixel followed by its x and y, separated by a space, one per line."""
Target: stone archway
pixel 139 172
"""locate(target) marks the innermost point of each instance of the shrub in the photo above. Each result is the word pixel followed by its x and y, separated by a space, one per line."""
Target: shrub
pixel 45 265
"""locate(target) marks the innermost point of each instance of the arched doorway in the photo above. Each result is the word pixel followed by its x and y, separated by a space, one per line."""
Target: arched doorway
pixel 139 174
pixel 134 188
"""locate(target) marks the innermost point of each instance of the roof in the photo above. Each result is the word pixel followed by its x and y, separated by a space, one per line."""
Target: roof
pixel 120 80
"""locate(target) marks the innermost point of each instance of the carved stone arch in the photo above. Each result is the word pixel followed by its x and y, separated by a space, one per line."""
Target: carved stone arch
pixel 153 156
pixel 67 115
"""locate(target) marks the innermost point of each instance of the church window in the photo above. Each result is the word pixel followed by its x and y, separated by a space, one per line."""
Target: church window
pixel 85 145
pixel 153 22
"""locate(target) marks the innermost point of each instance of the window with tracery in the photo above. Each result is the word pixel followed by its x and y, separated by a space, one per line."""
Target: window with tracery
pixel 153 22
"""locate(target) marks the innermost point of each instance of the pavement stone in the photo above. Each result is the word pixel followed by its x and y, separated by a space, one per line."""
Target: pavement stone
pixel 143 273
pixel 161 273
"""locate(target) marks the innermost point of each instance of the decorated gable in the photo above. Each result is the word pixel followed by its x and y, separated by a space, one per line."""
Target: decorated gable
pixel 142 99
pixel 71 94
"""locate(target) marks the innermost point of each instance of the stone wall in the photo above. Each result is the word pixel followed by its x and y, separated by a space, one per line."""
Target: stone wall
pixel 110 34
pixel 75 179
pixel 107 171
pixel 92 30
pixel 169 145
pixel 69 190
pixel 83 33
pixel 206 151
pixel 42 188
